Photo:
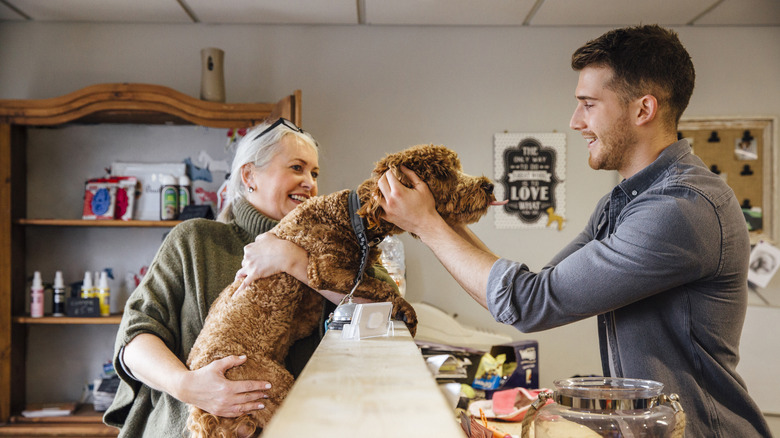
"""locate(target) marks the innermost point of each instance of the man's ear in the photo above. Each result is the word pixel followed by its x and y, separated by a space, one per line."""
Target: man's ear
pixel 646 109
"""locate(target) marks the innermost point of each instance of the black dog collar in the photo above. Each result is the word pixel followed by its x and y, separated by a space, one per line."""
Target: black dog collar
pixel 359 227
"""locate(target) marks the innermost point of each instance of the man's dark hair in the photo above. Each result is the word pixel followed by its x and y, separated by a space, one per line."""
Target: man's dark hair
pixel 645 60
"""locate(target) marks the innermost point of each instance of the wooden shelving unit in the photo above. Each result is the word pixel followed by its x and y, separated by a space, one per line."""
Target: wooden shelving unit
pixel 111 319
pixel 85 422
pixel 96 223
pixel 124 103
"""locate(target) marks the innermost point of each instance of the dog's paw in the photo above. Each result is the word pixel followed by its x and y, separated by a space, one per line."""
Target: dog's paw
pixel 405 312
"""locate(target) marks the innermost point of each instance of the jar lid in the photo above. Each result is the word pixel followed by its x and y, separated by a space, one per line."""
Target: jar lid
pixel 607 393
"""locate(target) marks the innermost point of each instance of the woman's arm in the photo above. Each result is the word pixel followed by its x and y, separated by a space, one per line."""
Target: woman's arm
pixel 151 362
pixel 269 255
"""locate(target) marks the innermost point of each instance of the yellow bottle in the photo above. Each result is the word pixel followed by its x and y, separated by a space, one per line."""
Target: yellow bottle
pixel 104 294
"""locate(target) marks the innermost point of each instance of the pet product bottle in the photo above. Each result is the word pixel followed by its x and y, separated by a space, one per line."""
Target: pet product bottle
pixel 87 290
pixel 36 296
pixel 58 296
pixel 185 192
pixel 393 260
pixel 104 294
pixel 169 198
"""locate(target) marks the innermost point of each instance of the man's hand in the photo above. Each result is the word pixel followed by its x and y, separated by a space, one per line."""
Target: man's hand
pixel 412 209
pixel 209 389
pixel 457 248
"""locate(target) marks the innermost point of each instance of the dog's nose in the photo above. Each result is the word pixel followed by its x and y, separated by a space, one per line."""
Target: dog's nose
pixel 487 187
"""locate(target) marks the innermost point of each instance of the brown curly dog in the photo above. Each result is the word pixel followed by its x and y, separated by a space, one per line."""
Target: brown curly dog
pixel 273 312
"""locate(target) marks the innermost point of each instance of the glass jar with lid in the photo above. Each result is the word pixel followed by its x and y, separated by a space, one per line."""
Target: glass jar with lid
pixel 593 407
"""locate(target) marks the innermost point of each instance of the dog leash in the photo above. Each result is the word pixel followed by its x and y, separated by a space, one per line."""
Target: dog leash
pixel 343 313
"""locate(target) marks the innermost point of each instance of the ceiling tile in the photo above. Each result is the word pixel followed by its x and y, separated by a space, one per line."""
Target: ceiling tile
pixel 743 13
pixel 619 12
pixel 276 12
pixel 8 14
pixel 405 12
pixel 447 12
pixel 135 11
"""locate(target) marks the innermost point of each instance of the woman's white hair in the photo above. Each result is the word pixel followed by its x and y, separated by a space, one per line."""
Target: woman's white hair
pixel 258 151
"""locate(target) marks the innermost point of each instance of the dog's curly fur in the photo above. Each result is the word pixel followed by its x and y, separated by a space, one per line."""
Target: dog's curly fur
pixel 272 313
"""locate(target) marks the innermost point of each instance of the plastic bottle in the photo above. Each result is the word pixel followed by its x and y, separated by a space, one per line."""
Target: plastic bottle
pixel 36 296
pixel 104 294
pixel 58 296
pixel 169 198
pixel 393 260
pixel 87 290
pixel 185 192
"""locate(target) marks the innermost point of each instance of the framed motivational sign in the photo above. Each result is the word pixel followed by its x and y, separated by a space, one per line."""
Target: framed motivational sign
pixel 530 173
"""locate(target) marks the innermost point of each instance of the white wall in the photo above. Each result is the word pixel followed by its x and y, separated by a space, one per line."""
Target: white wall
pixel 368 90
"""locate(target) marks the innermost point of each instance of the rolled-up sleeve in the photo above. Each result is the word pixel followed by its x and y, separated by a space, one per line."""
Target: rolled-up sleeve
pixel 500 289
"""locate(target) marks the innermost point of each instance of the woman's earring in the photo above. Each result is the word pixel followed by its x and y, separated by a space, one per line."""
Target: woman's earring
pixel 251 189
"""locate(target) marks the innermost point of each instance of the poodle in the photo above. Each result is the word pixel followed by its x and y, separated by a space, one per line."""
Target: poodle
pixel 273 312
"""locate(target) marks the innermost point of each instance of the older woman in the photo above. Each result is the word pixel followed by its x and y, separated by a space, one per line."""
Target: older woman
pixel 275 169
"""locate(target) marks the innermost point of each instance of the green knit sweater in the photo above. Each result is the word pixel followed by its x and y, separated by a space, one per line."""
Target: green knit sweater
pixel 197 260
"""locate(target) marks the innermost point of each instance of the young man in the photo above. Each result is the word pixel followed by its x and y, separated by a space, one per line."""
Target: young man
pixel 663 260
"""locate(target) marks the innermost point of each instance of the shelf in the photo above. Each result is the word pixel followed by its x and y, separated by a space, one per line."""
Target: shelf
pixel 85 422
pixel 124 103
pixel 112 319
pixel 96 223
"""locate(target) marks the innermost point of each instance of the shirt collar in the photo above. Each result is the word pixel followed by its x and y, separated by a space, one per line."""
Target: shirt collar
pixel 642 180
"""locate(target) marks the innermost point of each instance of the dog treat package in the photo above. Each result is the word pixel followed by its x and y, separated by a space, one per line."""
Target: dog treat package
pixel 99 199
pixel 489 372
pixel 125 197
pixel 110 198
pixel 522 366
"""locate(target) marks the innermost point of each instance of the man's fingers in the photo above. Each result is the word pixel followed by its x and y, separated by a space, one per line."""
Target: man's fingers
pixel 384 188
pixel 391 181
pixel 413 178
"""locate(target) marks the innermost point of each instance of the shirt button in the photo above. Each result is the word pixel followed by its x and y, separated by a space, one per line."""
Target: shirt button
pixel 633 193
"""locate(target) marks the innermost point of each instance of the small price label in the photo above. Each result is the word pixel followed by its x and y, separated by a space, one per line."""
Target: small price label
pixel 83 307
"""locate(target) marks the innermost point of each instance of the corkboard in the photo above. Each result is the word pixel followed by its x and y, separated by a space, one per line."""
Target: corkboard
pixel 743 152
pixel 724 155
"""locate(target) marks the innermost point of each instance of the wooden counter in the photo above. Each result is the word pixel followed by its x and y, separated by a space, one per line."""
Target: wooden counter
pixel 376 387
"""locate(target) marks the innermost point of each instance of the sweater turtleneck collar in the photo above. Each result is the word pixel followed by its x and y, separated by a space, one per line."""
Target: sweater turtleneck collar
pixel 248 218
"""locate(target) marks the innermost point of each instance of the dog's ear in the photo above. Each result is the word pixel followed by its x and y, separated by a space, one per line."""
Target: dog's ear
pixel 430 162
pixel 371 210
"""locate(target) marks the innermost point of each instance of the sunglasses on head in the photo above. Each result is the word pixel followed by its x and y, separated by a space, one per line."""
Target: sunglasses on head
pixel 280 121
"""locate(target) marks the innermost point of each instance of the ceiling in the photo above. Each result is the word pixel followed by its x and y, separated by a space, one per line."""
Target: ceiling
pixel 402 12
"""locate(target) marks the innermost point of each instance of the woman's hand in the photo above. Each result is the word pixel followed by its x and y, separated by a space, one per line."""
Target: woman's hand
pixel 150 361
pixel 269 255
pixel 209 389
